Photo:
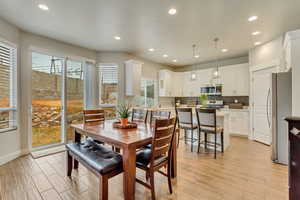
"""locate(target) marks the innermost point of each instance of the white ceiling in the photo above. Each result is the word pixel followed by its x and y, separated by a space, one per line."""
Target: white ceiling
pixel 144 24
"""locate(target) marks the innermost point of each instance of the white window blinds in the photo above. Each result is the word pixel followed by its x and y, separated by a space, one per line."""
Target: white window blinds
pixel 8 99
pixel 108 74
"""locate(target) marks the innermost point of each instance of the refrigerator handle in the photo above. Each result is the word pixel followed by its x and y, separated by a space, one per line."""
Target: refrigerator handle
pixel 269 123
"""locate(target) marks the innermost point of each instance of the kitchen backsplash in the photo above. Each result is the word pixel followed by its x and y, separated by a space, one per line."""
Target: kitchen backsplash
pixel 226 100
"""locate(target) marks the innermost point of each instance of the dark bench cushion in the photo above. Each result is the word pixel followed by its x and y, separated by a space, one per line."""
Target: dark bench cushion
pixel 96 156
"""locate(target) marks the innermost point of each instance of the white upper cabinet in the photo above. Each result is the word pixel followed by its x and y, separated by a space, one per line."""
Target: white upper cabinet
pixel 204 77
pixel 133 74
pixel 235 80
pixel 176 82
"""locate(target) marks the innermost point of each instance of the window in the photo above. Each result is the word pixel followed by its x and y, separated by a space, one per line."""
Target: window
pixel 108 79
pixel 8 90
pixel 147 93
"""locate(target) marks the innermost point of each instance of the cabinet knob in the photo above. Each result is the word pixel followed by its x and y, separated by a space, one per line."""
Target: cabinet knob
pixel 293 163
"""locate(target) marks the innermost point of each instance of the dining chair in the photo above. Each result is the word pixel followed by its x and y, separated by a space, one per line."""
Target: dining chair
pixel 185 122
pixel 154 115
pixel 207 122
pixel 94 116
pixel 159 156
pixel 139 115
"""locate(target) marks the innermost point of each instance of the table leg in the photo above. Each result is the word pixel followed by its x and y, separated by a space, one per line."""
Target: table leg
pixel 129 167
pixel 174 156
pixel 77 139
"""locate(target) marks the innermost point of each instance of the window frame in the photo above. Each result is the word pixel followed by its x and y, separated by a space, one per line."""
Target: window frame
pixel 99 83
pixel 145 92
pixel 13 90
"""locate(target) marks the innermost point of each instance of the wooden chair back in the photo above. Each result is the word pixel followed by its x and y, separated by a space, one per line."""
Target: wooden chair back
pixel 139 115
pixel 206 117
pixel 164 132
pixel 185 116
pixel 95 116
pixel 154 115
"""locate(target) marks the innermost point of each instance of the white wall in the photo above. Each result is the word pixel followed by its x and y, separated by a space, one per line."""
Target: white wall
pixel 28 43
pixel 16 143
pixel 267 53
pixel 211 64
pixel 10 147
pixel 293 38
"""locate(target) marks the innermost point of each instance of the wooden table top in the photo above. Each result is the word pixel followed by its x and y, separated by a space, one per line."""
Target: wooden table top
pixel 105 132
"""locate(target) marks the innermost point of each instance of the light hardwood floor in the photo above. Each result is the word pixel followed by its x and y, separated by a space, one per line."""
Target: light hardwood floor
pixel 244 172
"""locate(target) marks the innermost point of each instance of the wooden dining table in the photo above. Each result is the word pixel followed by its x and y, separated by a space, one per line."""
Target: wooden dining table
pixel 128 140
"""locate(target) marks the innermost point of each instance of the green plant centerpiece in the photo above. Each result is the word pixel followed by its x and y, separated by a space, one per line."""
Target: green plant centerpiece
pixel 124 112
pixel 203 99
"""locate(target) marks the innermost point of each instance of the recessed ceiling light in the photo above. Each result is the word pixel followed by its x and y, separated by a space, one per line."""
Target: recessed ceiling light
pixel 257 43
pixel 151 49
pixel 172 11
pixel 196 56
pixel 117 37
pixel 252 18
pixel 174 60
pixel 43 7
pixel 165 56
pixel 256 33
pixel 224 50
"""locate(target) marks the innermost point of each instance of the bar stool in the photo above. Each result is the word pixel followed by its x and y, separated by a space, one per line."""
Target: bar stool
pixel 154 115
pixel 207 122
pixel 185 122
pixel 139 115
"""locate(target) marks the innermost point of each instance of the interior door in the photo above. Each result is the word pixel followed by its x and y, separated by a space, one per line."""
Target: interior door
pixel 262 105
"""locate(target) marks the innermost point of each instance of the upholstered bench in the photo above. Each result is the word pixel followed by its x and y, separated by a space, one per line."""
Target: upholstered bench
pixel 98 159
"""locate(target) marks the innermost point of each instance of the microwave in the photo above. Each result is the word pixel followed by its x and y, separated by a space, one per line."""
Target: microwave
pixel 211 90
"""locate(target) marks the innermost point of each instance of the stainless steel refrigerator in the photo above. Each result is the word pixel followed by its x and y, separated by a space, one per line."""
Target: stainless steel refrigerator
pixel 281 107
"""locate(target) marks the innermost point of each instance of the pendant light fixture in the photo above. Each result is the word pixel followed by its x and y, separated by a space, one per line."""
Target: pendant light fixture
pixel 216 72
pixel 193 73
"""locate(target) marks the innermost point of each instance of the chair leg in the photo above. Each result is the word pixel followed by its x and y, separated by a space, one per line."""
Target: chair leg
pixel 76 164
pixel 192 139
pixel 222 141
pixel 215 145
pixel 152 185
pixel 205 141
pixel 147 176
pixel 103 189
pixel 169 178
pixel 69 164
pixel 184 136
pixel 199 140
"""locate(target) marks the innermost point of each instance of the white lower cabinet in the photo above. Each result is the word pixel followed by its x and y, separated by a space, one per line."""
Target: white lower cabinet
pixel 239 122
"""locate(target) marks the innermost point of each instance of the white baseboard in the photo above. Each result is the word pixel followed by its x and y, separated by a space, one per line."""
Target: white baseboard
pixel 12 156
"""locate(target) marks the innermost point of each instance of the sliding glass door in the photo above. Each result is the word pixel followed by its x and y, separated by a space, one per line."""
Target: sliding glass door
pixel 46 89
pixel 57 89
pixel 74 94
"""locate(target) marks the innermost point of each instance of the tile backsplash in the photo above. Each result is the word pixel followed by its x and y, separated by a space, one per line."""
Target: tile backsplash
pixel 227 100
